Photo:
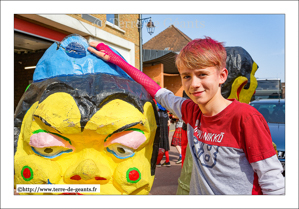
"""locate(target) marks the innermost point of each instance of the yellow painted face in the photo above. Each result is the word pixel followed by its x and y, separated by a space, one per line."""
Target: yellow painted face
pixel 114 149
pixel 238 92
pixel 241 82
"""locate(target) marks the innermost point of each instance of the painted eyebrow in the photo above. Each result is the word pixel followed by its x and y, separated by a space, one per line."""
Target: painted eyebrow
pixel 45 122
pixel 44 131
pixel 125 128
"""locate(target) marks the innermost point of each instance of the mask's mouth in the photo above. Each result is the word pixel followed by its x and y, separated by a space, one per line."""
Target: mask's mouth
pixel 77 177
pixel 240 89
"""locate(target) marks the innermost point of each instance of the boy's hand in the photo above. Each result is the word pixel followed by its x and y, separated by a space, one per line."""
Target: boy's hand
pixel 102 53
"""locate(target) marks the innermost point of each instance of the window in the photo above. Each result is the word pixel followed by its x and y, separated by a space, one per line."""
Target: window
pixel 113 18
pixel 272 112
pixel 268 85
pixel 92 19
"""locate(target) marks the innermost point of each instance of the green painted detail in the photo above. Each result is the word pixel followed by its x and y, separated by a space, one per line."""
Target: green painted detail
pixel 130 129
pixel 66 139
pixel 41 130
pixel 134 129
pixel 31 171
pixel 128 172
pixel 107 137
pixel 27 87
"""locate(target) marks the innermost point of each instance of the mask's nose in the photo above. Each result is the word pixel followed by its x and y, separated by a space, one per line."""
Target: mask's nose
pixel 86 170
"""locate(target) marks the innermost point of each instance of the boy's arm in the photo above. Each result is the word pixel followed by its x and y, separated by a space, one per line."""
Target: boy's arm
pixel 166 98
pixel 261 154
pixel 171 102
pixel 104 52
pixel 269 174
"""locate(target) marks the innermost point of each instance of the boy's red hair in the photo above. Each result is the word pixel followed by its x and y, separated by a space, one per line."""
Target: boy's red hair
pixel 202 53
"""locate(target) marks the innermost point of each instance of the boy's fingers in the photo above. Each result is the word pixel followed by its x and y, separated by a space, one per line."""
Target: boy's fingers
pixel 93 44
pixel 92 49
pixel 98 53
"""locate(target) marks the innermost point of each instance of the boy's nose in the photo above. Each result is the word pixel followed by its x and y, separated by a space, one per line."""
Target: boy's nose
pixel 195 83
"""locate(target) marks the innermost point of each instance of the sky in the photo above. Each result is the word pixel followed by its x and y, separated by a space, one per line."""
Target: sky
pixel 261 35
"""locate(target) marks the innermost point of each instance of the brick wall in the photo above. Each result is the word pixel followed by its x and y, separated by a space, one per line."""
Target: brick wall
pixel 283 90
pixel 171 82
pixel 155 72
pixel 127 22
pixel 174 84
pixel 22 76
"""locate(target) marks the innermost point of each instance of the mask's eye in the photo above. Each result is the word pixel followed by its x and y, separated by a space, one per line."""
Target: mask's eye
pixel 51 152
pixel 120 151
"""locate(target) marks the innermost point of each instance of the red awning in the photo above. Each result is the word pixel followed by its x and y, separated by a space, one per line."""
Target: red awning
pixel 38 30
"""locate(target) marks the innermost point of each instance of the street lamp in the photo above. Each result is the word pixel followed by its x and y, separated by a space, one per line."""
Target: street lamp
pixel 150 27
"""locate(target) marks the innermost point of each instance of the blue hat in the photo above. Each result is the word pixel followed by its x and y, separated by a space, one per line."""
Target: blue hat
pixel 71 57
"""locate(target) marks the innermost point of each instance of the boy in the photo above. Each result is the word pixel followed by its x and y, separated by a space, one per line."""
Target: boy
pixel 230 141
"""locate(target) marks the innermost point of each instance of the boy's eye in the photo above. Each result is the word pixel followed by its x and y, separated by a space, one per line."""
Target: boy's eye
pixel 120 151
pixel 186 77
pixel 51 152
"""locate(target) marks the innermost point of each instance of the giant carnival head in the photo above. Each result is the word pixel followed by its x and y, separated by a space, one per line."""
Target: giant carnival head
pixel 85 121
pixel 241 82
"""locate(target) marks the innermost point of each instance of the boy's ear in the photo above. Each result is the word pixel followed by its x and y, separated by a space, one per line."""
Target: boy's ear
pixel 223 75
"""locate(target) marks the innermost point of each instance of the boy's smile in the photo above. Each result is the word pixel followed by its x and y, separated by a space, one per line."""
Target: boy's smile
pixel 203 85
pixel 197 93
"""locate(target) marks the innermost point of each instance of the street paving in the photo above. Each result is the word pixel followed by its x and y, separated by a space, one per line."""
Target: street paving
pixel 166 178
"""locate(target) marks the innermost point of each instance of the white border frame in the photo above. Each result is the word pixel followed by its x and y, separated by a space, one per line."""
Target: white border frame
pixel 290 8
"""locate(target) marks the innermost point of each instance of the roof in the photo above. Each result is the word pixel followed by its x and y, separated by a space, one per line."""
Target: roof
pixel 170 39
pixel 166 57
pixel 268 79
pixel 274 101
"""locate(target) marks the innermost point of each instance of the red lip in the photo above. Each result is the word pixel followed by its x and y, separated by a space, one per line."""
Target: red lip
pixel 198 93
pixel 240 88
pixel 77 177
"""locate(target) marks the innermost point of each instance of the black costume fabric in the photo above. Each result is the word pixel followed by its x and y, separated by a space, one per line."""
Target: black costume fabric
pixel 164 141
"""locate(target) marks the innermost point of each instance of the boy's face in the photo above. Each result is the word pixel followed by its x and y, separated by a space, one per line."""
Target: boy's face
pixel 202 85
